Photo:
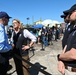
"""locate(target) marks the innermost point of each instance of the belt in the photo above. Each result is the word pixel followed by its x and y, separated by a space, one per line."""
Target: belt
pixel 70 68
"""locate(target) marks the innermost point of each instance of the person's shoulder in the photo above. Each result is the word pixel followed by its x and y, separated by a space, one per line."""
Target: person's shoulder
pixel 24 30
pixel 1 29
pixel 1 26
pixel 21 30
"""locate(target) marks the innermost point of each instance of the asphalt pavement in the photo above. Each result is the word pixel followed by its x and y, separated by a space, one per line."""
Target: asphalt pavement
pixel 44 59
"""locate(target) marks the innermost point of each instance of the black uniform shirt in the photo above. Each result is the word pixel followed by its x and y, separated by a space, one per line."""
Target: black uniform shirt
pixel 66 34
pixel 71 43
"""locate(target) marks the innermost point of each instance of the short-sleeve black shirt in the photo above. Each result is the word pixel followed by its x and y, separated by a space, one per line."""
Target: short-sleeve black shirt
pixel 66 34
pixel 71 43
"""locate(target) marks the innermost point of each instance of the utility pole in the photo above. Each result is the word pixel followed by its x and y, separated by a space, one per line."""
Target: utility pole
pixel 32 20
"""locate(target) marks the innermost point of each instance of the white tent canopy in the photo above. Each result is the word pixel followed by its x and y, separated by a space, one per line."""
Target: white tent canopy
pixel 50 22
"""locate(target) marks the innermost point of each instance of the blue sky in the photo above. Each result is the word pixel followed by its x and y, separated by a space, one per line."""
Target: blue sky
pixel 35 9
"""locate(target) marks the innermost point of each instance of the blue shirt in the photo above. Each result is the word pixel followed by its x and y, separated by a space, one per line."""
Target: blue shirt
pixel 4 46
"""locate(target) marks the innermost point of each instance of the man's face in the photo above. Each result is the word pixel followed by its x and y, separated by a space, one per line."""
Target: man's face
pixel 67 19
pixel 6 20
pixel 73 16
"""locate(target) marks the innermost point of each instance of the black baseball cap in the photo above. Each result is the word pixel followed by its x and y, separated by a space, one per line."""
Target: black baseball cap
pixel 70 10
pixel 63 16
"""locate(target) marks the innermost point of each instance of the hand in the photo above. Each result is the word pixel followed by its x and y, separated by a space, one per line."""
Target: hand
pixel 25 47
pixel 12 45
pixel 61 67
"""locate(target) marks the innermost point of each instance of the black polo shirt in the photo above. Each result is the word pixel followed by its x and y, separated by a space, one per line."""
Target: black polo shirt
pixel 71 43
pixel 66 34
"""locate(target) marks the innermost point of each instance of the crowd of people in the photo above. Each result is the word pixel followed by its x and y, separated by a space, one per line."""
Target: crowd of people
pixel 17 41
pixel 44 35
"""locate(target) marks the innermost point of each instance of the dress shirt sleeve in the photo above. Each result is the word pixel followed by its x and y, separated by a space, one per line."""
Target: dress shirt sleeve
pixel 29 35
pixel 4 46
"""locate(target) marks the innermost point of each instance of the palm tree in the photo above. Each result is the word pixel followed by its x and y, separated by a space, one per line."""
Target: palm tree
pixel 27 20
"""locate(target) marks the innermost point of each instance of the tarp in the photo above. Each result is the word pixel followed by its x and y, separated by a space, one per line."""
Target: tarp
pixel 38 26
